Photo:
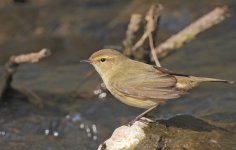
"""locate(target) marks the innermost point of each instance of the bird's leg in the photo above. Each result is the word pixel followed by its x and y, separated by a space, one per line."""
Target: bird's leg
pixel 141 115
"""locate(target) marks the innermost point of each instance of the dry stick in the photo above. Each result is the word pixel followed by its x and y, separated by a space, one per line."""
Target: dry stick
pixel 133 27
pixel 12 65
pixel 140 42
pixel 153 51
pixel 153 17
pixel 205 22
pixel 31 57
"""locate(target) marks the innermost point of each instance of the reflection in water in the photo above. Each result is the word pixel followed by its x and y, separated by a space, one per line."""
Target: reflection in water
pixel 90 129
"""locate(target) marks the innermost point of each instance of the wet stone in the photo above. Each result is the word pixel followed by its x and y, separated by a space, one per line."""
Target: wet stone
pixel 178 133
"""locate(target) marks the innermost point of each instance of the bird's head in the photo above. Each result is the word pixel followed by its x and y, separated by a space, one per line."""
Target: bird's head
pixel 106 60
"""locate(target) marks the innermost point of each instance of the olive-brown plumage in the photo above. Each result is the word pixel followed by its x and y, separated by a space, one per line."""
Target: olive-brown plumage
pixel 138 84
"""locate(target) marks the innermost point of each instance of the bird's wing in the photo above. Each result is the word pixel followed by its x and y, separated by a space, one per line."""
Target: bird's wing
pixel 154 84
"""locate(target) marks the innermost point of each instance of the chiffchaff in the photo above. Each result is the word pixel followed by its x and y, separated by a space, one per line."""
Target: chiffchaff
pixel 138 84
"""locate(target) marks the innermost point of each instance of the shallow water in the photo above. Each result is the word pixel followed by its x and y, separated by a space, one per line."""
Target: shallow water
pixel 73 30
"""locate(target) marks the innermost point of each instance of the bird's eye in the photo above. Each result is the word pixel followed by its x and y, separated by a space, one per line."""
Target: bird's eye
pixel 103 59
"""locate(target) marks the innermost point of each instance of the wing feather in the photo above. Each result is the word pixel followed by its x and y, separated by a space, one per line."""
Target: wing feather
pixel 153 84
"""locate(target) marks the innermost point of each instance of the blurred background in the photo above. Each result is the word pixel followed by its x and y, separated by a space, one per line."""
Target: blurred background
pixel 73 117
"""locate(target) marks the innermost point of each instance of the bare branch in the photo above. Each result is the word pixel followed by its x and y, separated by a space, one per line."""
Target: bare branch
pixel 10 69
pixel 134 24
pixel 153 17
pixel 205 22
pixel 31 57
pixel 133 27
pixel 153 51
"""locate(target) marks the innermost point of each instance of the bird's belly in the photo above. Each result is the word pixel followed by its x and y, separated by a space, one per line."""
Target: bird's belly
pixel 140 103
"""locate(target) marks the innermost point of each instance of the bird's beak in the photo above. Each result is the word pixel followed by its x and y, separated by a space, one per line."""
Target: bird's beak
pixel 86 61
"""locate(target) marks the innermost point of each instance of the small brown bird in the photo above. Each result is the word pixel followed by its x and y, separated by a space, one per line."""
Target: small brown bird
pixel 141 85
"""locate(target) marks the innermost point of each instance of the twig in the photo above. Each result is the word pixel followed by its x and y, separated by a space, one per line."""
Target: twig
pixel 12 65
pixel 153 51
pixel 140 42
pixel 31 57
pixel 133 27
pixel 205 22
pixel 153 17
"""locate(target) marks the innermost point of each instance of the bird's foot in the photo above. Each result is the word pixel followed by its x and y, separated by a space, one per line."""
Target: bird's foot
pixel 142 115
pixel 143 120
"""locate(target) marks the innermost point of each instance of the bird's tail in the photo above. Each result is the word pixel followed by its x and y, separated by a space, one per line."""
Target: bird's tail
pixel 188 82
pixel 203 79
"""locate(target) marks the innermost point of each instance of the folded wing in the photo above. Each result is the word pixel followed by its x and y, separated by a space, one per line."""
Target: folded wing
pixel 154 84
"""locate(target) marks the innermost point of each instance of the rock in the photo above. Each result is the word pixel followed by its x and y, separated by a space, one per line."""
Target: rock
pixel 178 133
pixel 126 137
